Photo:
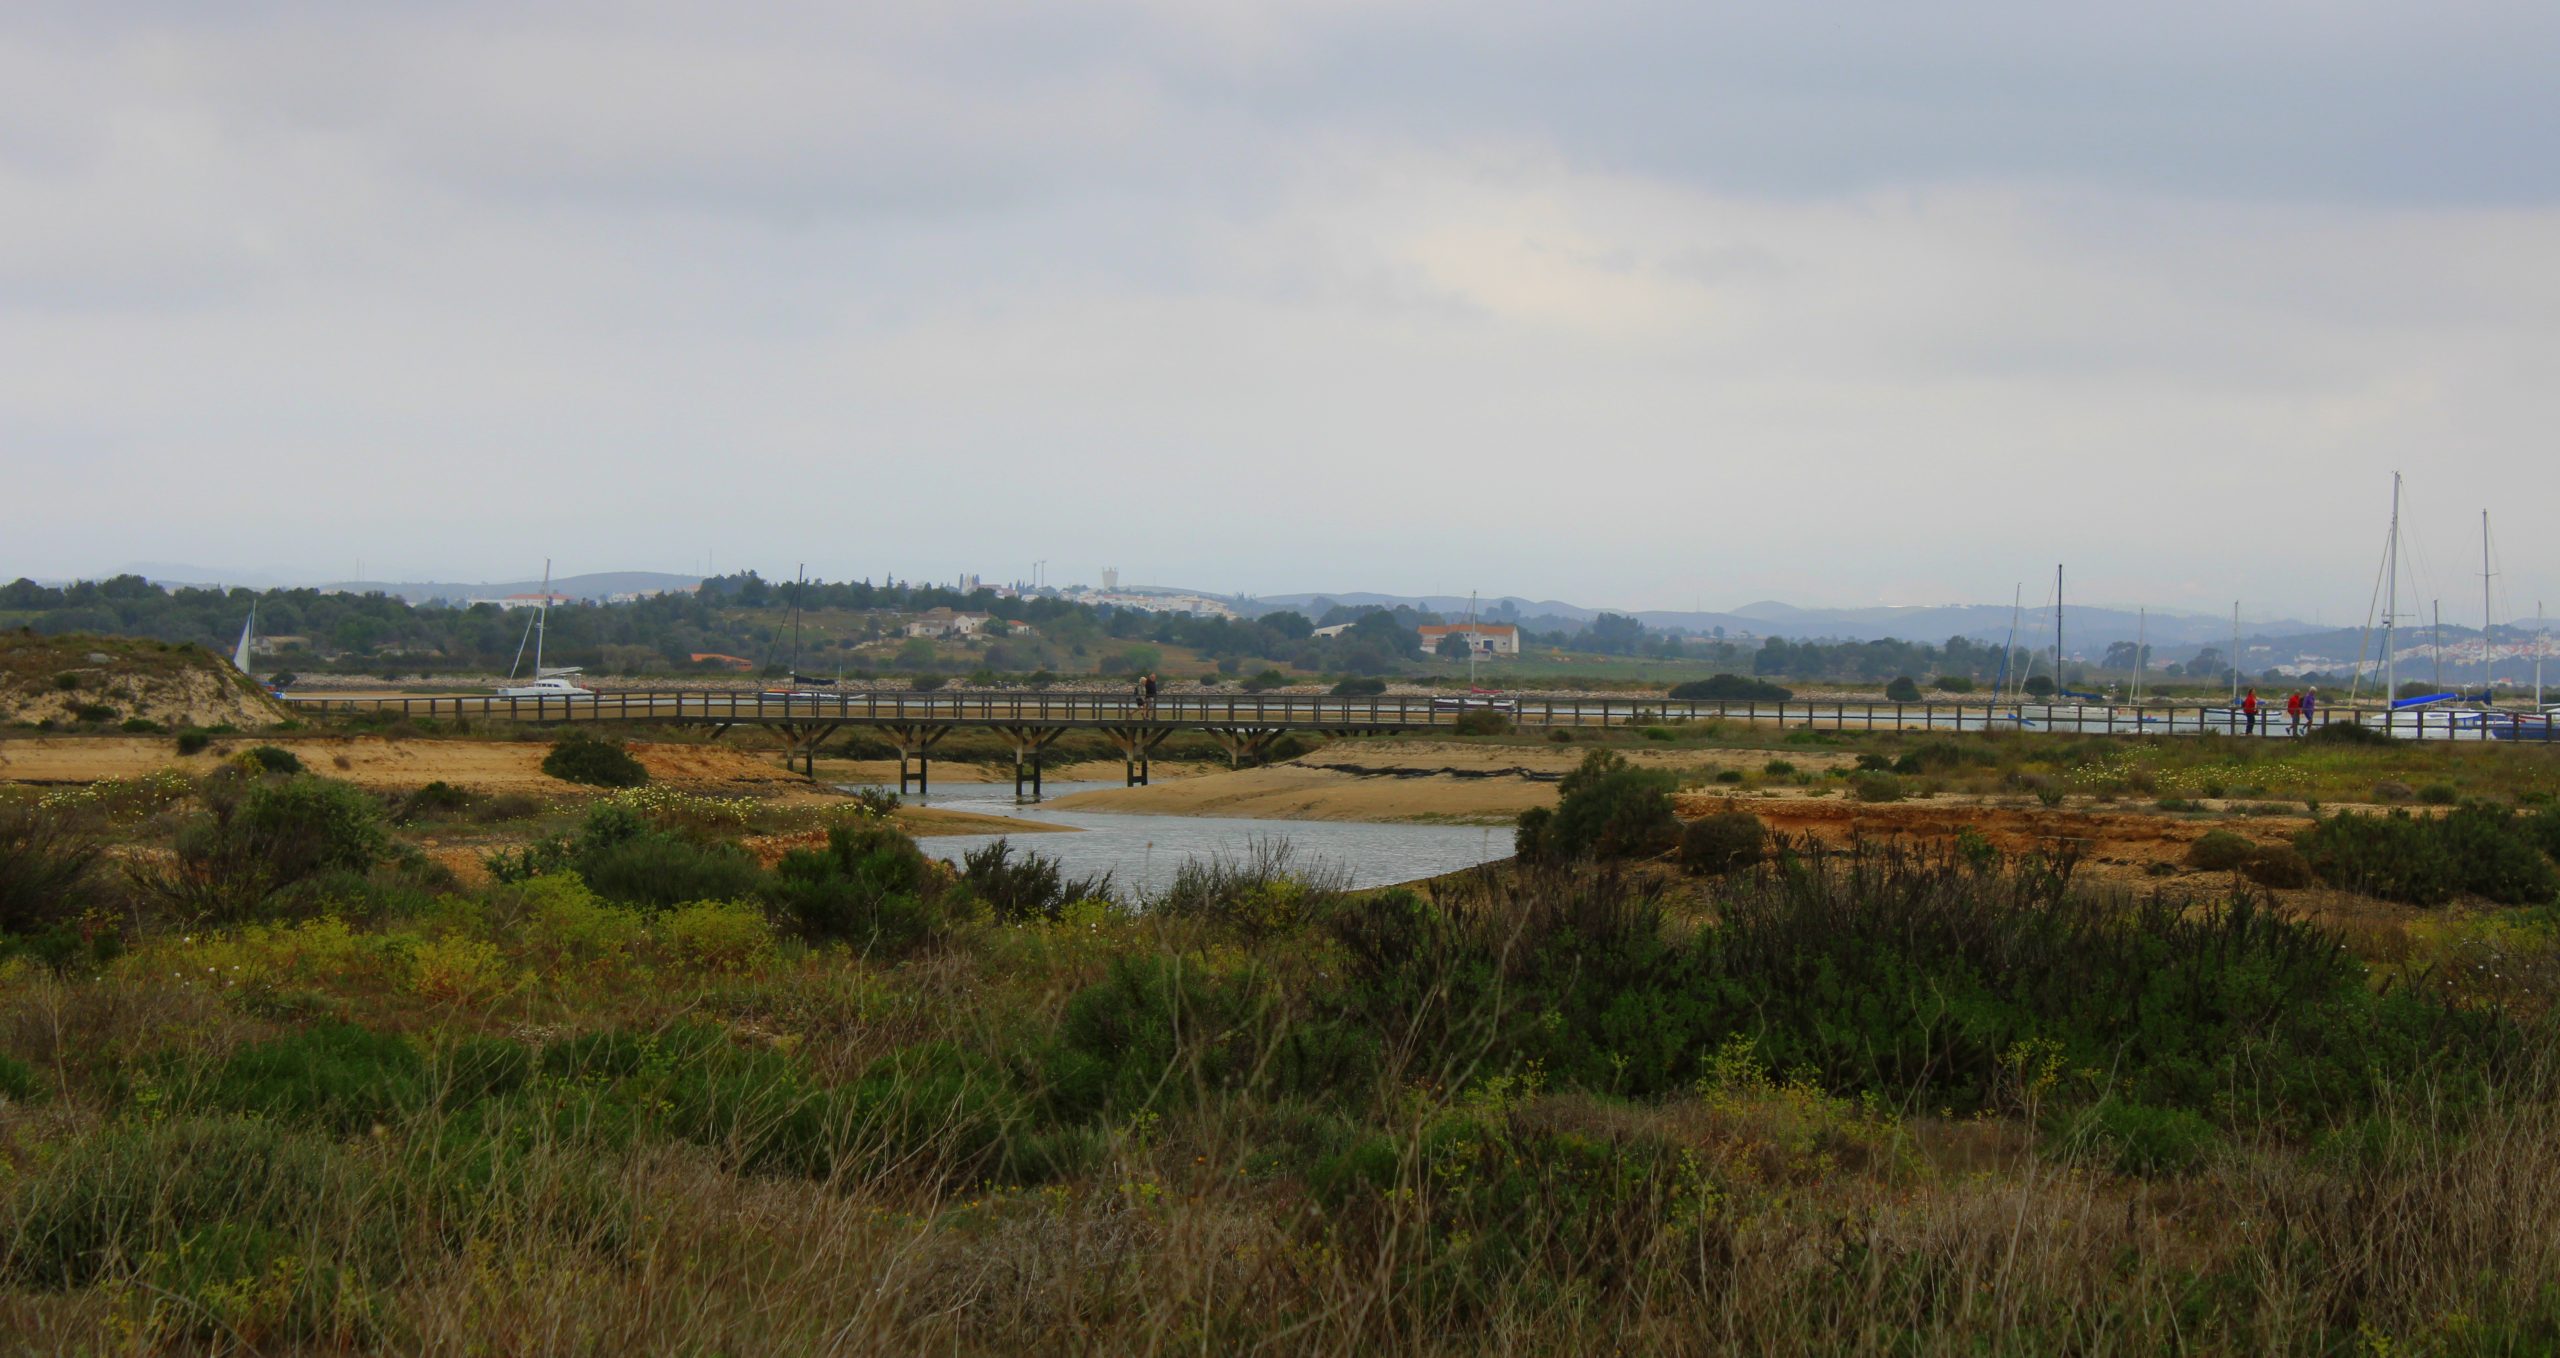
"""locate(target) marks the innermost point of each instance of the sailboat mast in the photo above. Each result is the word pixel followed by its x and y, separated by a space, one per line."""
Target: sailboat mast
pixel 2438 645
pixel 1471 640
pixel 542 619
pixel 2009 648
pixel 2057 627
pixel 2235 652
pixel 2391 606
pixel 2141 643
pixel 2486 683
pixel 798 591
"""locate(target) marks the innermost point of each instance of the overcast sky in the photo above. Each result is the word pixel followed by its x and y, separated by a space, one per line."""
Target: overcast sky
pixel 1633 305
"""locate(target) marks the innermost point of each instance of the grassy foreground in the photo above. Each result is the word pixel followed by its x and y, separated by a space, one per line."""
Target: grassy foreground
pixel 649 1094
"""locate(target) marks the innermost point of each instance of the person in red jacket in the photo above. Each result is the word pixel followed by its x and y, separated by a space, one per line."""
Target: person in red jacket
pixel 2249 712
pixel 2293 713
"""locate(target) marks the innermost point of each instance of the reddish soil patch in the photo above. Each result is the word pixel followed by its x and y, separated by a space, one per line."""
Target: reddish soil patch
pixel 2121 840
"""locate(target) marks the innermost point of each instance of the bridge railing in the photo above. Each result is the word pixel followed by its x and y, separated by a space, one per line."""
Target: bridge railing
pixel 1406 712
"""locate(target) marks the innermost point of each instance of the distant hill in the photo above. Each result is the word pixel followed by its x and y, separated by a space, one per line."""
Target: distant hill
pixel 601 585
pixel 2084 627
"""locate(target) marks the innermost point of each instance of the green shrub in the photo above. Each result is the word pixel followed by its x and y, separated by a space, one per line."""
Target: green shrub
pixel 1481 722
pixel 1903 689
pixel 67 681
pixel 192 741
pixel 2145 1140
pixel 1360 688
pixel 438 798
pixel 2038 686
pixel 1868 785
pixel 18 1082
pixel 2221 851
pixel 1153 1033
pixel 1659 733
pixel 658 870
pixel 1779 768
pixel 1265 681
pixel 2393 790
pixel 1909 978
pixel 870 887
pixel 1953 683
pixel 1730 688
pixel 1723 842
pixel 577 757
pixel 1608 808
pixel 335 1077
pixel 252 844
pixel 1532 836
pixel 2278 865
pixel 927 683
pixel 2476 850
pixel 2349 733
pixel 46 871
pixel 1559 735
pixel 139 726
pixel 92 712
pixel 2438 794
pixel 271 759
pixel 1026 887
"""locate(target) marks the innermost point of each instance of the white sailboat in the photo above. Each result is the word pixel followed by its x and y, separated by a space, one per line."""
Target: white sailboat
pixel 248 633
pixel 547 683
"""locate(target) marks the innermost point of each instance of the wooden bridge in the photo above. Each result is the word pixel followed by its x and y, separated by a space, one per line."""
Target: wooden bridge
pixel 1245 725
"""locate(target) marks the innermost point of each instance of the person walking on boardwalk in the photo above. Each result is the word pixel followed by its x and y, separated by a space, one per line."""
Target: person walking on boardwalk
pixel 2249 712
pixel 2310 708
pixel 2293 713
pixel 1147 691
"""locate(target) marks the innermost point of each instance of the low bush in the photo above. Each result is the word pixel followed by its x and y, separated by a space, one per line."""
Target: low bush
pixel 1481 722
pixel 1730 688
pixel 2438 794
pixel 1869 785
pixel 2392 790
pixel 870 887
pixel 2472 850
pixel 1609 808
pixel 1021 888
pixel 657 870
pixel 192 741
pixel 438 798
pixel 2220 851
pixel 1723 842
pixel 270 759
pixel 139 726
pixel 46 871
pixel 2278 865
pixel 1779 768
pixel 1904 689
pixel 253 843
pixel 577 757
pixel 1359 688
pixel 92 712
pixel 1953 683
pixel 2348 733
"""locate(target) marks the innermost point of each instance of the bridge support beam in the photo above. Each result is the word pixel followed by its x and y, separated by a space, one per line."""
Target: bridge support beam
pixel 1030 742
pixel 801 740
pixel 915 740
pixel 1137 747
pixel 1245 744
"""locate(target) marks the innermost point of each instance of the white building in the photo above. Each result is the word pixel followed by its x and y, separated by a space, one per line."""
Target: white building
pixel 1485 638
pixel 943 622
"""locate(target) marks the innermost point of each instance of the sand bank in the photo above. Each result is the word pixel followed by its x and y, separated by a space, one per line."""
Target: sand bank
pixel 1402 780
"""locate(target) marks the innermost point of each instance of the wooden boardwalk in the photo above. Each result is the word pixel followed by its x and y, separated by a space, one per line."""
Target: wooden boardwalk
pixel 1246 724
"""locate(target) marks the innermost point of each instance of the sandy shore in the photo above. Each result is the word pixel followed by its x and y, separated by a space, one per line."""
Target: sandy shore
pixel 373 761
pixel 956 772
pixel 1401 780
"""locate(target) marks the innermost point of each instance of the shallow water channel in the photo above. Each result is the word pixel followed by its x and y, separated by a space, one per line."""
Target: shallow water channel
pixel 1142 853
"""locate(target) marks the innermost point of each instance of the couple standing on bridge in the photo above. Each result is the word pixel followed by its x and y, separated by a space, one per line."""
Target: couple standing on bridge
pixel 1143 692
